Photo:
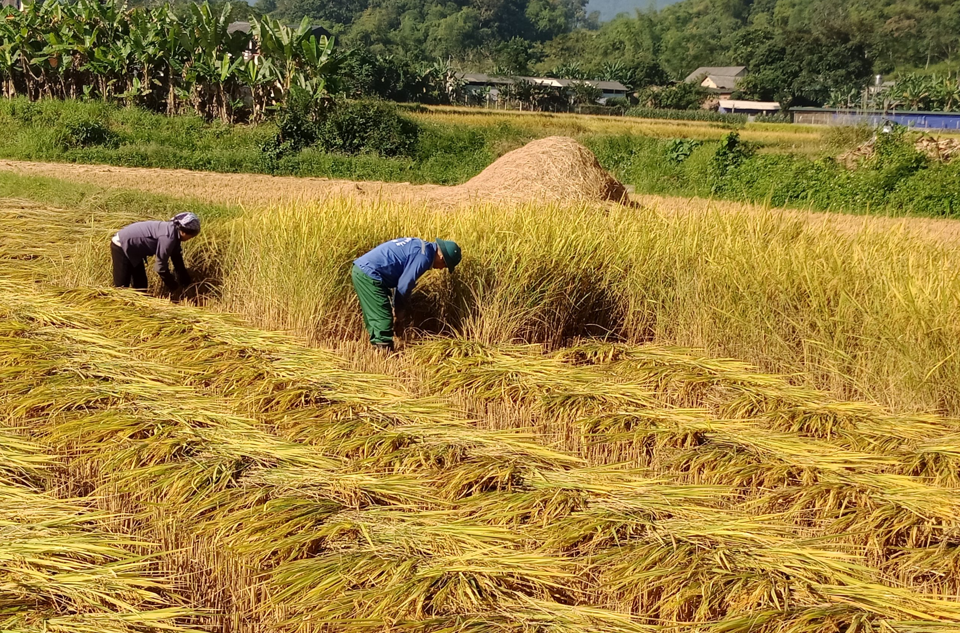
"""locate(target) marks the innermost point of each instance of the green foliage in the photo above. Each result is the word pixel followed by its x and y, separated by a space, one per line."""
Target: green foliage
pixel 619 102
pixel 169 59
pixel 799 53
pixel 803 67
pixel 342 127
pixel 366 127
pixel 708 116
pixel 680 149
pixel 76 130
pixel 933 192
pixel 895 159
pixel 730 154
pixel 918 92
pixel 680 96
pixel 296 127
pixel 839 138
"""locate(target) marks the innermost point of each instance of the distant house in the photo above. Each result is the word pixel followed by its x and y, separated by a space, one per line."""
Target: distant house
pixel 610 89
pixel 748 107
pixel 719 80
pixel 491 86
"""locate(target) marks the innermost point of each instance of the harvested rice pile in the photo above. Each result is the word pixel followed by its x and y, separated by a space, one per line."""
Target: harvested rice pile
pixel 938 149
pixel 553 169
pixel 942 149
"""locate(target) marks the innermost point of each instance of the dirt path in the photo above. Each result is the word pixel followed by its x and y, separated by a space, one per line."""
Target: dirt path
pixel 257 190
pixel 247 190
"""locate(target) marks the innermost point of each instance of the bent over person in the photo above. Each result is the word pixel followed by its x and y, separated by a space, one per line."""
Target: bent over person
pixel 396 265
pixel 134 243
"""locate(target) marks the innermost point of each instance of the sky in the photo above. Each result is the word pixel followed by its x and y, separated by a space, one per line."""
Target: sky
pixel 609 8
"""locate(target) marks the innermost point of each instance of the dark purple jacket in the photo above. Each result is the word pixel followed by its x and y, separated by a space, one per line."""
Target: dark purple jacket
pixel 141 240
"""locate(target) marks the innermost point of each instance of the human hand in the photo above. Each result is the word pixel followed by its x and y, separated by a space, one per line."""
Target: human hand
pixel 400 320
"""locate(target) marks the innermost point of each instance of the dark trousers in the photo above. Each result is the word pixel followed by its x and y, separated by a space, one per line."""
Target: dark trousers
pixel 125 272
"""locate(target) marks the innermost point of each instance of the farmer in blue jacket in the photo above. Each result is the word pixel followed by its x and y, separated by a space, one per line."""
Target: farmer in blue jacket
pixel 396 265
pixel 131 247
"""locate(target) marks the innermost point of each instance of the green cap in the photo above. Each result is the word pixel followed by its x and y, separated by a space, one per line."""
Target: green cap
pixel 451 253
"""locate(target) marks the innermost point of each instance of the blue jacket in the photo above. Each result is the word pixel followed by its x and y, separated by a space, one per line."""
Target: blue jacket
pixel 398 264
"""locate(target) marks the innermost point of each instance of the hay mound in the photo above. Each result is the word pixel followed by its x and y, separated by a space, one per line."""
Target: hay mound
pixel 553 169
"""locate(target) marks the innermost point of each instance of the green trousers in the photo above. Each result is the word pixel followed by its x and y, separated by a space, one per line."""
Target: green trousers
pixel 375 304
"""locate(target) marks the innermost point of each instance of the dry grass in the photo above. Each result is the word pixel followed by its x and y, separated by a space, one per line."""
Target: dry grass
pixel 61 570
pixel 252 459
pixel 554 169
pixel 499 487
pixel 859 311
pixel 786 136
pixel 253 191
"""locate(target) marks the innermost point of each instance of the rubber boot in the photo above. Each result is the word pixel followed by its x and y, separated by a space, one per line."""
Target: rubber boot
pixel 386 348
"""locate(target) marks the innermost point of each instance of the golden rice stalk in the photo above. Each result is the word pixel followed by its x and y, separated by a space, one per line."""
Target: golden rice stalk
pixel 59 567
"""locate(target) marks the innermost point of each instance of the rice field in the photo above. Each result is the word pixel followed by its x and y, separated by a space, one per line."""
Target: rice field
pixel 783 136
pixel 712 421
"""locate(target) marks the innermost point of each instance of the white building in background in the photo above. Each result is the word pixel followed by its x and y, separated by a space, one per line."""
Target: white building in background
pixel 490 85
pixel 719 80
pixel 749 107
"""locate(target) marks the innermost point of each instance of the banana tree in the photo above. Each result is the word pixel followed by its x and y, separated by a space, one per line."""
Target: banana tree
pixel 159 58
pixel 259 75
pixel 299 57
pixel 316 64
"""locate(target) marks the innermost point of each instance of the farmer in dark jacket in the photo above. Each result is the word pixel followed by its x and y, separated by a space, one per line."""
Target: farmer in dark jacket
pixel 396 265
pixel 132 246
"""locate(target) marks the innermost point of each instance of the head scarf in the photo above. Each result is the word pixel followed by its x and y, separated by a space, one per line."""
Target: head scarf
pixel 187 221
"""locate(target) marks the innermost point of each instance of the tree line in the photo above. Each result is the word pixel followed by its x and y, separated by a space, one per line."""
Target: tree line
pixel 185 57
pixel 800 52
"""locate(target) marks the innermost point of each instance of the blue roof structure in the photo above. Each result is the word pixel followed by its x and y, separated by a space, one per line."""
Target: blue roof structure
pixel 908 118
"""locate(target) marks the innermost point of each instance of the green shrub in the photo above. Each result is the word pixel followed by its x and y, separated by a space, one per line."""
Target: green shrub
pixel 296 123
pixel 77 129
pixel 934 192
pixel 366 127
pixel 680 96
pixel 707 116
pixel 730 154
pixel 21 110
pixel 679 149
pixel 619 102
pixel 895 159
